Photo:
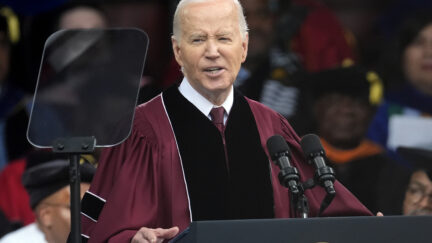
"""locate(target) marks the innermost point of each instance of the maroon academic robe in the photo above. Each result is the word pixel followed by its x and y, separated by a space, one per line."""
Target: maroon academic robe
pixel 142 181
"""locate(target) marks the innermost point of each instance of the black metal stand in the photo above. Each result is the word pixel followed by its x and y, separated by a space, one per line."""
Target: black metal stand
pixel 300 201
pixel 303 207
pixel 289 178
pixel 302 204
pixel 74 147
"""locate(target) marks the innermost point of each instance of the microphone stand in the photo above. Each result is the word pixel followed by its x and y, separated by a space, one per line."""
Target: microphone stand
pixel 301 203
pixel 288 177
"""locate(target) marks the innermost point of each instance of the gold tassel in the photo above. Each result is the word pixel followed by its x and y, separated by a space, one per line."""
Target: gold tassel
pixel 13 24
pixel 376 88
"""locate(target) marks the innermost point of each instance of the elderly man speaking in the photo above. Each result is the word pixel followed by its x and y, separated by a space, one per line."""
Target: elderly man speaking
pixel 197 151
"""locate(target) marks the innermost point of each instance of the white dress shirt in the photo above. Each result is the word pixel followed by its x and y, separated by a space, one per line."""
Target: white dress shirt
pixel 201 103
pixel 30 233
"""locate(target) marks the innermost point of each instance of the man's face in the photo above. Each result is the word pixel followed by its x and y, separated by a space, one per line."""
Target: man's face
pixel 82 18
pixel 4 56
pixel 418 196
pixel 54 214
pixel 342 120
pixel 211 48
pixel 418 61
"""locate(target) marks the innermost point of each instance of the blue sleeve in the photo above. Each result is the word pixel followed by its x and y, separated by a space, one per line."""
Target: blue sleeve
pixel 378 128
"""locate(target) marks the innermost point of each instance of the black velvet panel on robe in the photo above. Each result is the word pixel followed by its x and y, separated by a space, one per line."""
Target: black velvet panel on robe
pixel 246 191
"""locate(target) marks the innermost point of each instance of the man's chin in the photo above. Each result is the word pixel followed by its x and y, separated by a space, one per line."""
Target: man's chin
pixel 218 84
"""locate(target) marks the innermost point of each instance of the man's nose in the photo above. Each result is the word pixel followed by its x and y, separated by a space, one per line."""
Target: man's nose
pixel 212 49
pixel 425 202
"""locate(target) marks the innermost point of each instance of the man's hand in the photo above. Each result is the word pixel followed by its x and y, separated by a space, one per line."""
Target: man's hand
pixel 147 235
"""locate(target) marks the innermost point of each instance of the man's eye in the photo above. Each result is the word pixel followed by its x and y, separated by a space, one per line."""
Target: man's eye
pixel 414 190
pixel 224 39
pixel 197 40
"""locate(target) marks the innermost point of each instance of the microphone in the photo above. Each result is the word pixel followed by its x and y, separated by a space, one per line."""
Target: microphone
pixel 314 153
pixel 280 152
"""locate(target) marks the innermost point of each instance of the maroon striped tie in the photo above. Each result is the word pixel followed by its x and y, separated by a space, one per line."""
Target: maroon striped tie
pixel 217 116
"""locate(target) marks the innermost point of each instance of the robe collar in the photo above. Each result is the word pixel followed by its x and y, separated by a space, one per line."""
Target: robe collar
pixel 201 103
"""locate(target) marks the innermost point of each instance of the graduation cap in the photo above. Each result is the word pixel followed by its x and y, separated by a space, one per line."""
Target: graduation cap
pixel 353 81
pixel 46 173
pixel 420 159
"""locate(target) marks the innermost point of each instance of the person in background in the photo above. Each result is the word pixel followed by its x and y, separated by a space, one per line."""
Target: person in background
pixel 12 141
pixel 14 103
pixel 283 48
pixel 46 180
pixel 14 199
pixel 186 156
pixel 10 95
pixel 404 117
pixel 81 16
pixel 69 16
pixel 418 194
pixel 345 101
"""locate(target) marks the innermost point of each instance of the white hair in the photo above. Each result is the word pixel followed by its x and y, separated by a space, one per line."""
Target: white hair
pixel 176 22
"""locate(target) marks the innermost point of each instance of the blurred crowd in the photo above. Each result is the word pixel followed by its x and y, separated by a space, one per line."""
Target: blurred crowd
pixel 366 91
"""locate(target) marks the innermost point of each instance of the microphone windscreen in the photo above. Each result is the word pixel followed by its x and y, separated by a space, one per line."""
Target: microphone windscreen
pixel 311 143
pixel 277 144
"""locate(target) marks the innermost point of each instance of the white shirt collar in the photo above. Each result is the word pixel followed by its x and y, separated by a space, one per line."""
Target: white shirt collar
pixel 202 103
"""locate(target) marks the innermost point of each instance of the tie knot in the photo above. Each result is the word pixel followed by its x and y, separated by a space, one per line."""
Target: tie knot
pixel 217 115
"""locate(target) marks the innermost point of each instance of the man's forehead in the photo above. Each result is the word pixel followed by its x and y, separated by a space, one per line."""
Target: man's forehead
pixel 422 177
pixel 208 10
pixel 204 23
pixel 64 194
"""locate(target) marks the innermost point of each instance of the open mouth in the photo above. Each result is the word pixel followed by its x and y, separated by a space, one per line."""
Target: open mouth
pixel 213 70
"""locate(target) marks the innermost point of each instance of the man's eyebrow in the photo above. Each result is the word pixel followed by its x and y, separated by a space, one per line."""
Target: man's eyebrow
pixel 195 35
pixel 225 33
pixel 417 183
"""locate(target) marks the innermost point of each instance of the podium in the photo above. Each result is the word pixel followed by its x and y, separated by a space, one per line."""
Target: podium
pixel 387 229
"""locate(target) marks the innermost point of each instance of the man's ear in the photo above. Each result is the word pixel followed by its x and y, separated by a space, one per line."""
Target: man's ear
pixel 44 216
pixel 245 45
pixel 176 49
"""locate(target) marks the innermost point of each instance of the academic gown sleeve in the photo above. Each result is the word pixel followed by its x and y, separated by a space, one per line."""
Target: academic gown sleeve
pixel 133 186
pixel 270 123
